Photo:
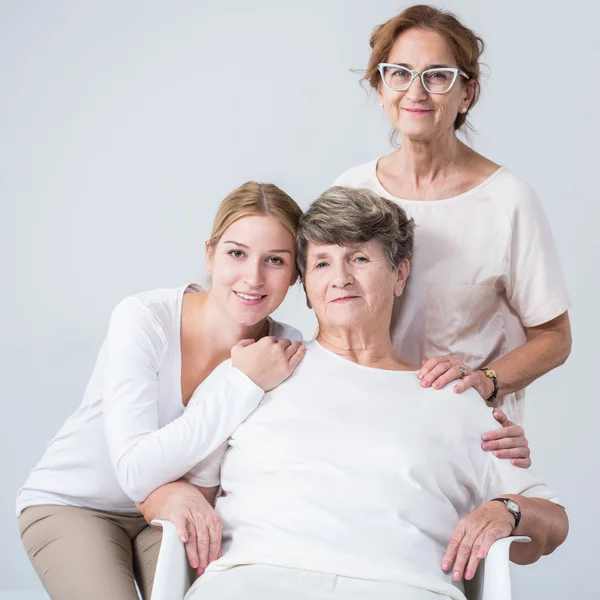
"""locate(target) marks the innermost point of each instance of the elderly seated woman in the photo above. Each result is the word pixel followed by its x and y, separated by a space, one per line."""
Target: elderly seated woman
pixel 351 480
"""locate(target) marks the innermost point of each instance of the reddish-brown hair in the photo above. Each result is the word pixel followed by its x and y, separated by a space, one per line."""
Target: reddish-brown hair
pixel 466 46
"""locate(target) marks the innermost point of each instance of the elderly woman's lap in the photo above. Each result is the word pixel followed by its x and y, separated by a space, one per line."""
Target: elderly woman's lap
pixel 258 582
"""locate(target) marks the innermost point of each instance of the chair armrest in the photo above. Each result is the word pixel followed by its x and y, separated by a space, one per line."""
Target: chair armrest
pixel 172 577
pixel 492 580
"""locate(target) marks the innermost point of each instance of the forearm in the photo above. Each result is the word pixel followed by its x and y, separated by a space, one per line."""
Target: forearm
pixel 547 347
pixel 145 460
pixel 545 522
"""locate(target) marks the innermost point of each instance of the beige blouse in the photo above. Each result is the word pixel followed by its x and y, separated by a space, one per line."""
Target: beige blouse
pixel 484 267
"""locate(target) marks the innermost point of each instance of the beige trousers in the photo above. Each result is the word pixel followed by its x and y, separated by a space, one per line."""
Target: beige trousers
pixel 84 554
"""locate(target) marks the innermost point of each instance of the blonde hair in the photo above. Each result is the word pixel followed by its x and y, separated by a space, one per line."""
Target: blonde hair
pixel 255 199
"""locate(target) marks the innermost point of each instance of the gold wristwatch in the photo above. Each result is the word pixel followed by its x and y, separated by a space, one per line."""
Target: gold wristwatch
pixel 491 374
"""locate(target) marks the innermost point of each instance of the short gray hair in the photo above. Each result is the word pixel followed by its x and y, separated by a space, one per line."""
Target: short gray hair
pixel 348 216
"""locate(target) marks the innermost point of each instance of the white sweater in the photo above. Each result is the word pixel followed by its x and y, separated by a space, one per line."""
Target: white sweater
pixel 131 434
pixel 359 472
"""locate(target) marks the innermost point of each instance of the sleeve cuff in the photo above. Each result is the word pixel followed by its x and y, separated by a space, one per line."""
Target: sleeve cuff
pixel 245 386
pixel 199 482
pixel 550 313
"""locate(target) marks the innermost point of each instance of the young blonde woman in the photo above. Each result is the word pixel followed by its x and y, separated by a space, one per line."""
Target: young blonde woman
pixel 132 433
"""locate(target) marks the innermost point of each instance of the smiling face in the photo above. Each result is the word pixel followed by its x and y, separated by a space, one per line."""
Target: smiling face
pixel 252 266
pixel 350 286
pixel 417 114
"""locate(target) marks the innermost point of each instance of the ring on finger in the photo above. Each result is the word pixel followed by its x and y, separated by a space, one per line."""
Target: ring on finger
pixel 462 371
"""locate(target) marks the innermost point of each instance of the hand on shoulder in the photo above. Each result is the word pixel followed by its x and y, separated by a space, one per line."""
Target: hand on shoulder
pixel 269 361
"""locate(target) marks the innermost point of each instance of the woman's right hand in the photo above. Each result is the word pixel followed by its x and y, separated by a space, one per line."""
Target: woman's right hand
pixel 267 362
pixel 198 526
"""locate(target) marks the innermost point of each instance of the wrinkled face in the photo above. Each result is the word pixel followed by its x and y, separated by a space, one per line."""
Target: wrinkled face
pixel 252 266
pixel 416 113
pixel 351 286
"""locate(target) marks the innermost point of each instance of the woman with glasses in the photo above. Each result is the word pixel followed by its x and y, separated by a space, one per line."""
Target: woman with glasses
pixel 486 300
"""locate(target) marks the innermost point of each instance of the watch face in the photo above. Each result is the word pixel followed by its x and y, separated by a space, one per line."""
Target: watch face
pixel 491 373
pixel 513 506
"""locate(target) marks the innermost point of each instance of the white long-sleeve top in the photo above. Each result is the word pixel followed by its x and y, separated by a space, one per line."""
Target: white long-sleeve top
pixel 131 434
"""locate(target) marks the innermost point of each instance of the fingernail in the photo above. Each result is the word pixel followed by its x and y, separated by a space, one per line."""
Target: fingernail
pixel 469 574
pixel 200 571
pixel 486 446
pixel 194 564
pixel 456 575
pixel 496 453
pixel 419 375
pixel 436 385
pixel 455 389
pixel 445 565
pixel 485 437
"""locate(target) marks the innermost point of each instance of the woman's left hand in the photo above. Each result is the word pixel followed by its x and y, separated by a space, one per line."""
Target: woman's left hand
pixel 438 371
pixel 508 442
pixel 473 537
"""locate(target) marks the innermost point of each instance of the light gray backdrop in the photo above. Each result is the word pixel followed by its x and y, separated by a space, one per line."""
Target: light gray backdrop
pixel 123 125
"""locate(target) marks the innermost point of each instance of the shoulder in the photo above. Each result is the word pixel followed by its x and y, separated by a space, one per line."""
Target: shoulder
pixel 468 410
pixel 284 331
pixel 153 312
pixel 514 195
pixel 159 301
pixel 358 176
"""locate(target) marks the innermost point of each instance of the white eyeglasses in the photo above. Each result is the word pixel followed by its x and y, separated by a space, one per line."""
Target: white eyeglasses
pixel 435 81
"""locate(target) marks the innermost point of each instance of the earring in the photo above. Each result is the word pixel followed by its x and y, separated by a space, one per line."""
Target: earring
pixel 464 110
pixel 381 104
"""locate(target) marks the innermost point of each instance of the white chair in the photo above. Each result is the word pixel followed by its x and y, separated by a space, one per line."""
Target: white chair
pixel 492 579
pixel 172 579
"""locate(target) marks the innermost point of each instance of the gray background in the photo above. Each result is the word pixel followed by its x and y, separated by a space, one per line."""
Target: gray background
pixel 123 124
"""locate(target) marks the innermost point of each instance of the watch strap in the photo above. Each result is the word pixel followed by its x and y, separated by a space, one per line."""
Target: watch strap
pixel 494 380
pixel 516 515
